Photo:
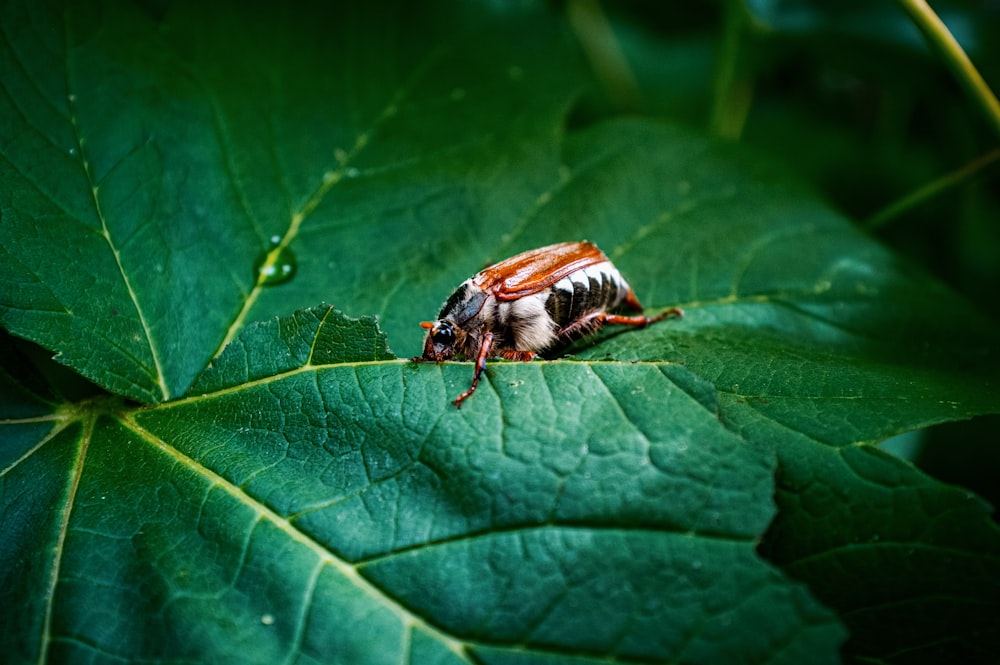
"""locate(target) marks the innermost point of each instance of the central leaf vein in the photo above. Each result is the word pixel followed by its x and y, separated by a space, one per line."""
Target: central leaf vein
pixel 94 188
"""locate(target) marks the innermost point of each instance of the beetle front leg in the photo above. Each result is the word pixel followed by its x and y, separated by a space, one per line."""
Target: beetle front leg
pixel 485 346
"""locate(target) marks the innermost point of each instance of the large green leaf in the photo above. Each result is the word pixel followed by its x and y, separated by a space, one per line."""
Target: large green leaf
pixel 175 179
pixel 167 155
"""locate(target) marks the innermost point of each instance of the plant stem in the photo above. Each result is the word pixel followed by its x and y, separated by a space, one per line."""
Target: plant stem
pixel 931 189
pixel 937 33
pixel 607 60
pixel 732 92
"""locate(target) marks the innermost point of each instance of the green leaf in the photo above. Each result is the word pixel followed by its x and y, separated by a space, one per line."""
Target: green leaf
pixel 278 508
pixel 166 161
pixel 928 552
pixel 181 185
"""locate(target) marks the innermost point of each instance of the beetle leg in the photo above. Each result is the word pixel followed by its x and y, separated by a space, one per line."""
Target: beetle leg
pixel 581 327
pixel 484 352
pixel 641 321
pixel 514 354
pixel 594 322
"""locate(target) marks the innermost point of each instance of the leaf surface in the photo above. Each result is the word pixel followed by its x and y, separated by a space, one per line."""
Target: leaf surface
pixel 179 189
pixel 179 174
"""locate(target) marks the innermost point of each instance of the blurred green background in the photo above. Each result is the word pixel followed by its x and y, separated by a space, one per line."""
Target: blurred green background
pixel 850 94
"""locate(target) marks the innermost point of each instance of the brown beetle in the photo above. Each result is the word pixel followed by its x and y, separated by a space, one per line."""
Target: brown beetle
pixel 529 303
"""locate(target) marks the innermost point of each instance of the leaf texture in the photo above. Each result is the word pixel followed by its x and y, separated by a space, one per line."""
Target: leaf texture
pixel 254 477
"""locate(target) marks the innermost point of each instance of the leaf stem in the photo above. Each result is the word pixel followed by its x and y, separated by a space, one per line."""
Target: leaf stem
pixel 610 66
pixel 931 189
pixel 732 90
pixel 955 57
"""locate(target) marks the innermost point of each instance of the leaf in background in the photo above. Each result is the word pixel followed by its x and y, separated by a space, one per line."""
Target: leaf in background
pixel 928 552
pixel 150 162
pixel 602 506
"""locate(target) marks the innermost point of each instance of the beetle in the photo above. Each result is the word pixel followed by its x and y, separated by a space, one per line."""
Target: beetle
pixel 530 303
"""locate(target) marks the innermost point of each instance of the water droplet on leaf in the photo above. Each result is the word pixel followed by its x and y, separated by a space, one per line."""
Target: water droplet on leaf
pixel 276 266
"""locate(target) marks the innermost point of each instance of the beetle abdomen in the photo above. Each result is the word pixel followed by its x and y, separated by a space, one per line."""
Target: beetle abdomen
pixel 596 288
pixel 526 325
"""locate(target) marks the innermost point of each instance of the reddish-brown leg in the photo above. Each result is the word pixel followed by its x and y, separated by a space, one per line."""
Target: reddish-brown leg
pixel 485 346
pixel 514 354
pixel 594 322
pixel 639 320
pixel 585 326
pixel 642 321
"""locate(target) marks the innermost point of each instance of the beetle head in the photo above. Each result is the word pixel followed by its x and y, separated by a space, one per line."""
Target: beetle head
pixel 443 339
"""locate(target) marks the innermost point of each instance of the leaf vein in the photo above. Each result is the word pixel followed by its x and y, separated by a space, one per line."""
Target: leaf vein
pixel 350 571
pixel 50 595
pixel 115 251
pixel 327 182
pixel 61 422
